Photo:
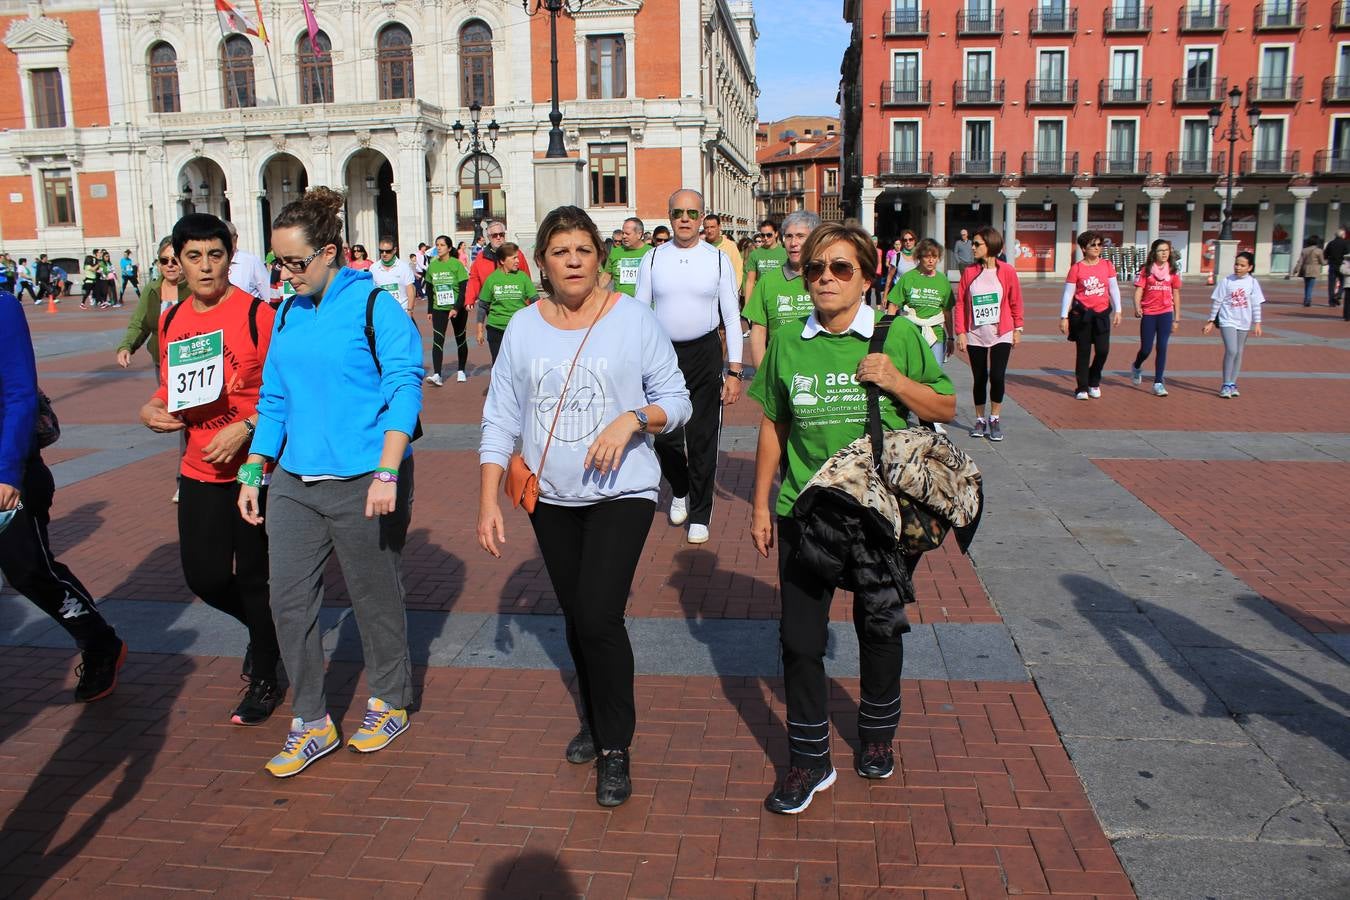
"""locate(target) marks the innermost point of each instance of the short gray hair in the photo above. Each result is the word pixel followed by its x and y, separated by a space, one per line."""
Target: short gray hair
pixel 670 204
pixel 642 229
pixel 800 217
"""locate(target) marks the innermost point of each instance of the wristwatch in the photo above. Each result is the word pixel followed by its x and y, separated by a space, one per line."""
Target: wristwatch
pixel 249 427
pixel 642 420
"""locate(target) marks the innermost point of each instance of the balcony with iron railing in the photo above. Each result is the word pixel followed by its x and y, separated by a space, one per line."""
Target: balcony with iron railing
pixel 980 92
pixel 904 165
pixel 1257 163
pixel 1340 15
pixel 979 165
pixel 1184 164
pixel 1335 163
pixel 906 93
pixel 1336 89
pixel 1127 19
pixel 1125 92
pixel 1052 92
pixel 1046 20
pixel 1042 164
pixel 980 22
pixel 1202 17
pixel 905 23
pixel 1187 91
pixel 1279 15
pixel 1275 89
pixel 1107 164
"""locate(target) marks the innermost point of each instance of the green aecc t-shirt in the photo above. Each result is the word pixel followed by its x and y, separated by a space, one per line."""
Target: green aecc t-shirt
pixel 506 294
pixel 776 301
pixel 927 296
pixel 765 259
pixel 446 280
pixel 622 266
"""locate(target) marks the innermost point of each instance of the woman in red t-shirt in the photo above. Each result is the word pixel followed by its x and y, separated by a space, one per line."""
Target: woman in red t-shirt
pixel 1157 304
pixel 1090 306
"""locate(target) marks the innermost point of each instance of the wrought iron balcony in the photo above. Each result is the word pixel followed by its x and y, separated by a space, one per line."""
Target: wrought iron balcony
pixel 1201 17
pixel 904 165
pixel 1332 162
pixel 1127 19
pixel 1182 164
pixel 1336 89
pixel 1255 164
pixel 979 165
pixel 981 92
pixel 1052 92
pixel 906 93
pixel 1125 92
pixel 905 23
pixel 1052 21
pixel 1121 165
pixel 1049 164
pixel 1186 91
pixel 1280 15
pixel 1275 89
pixel 981 22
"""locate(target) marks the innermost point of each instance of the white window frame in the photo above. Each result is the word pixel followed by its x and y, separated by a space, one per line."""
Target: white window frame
pixel 993 139
pixel 1064 50
pixel 1274 45
pixel 1283 118
pixel 1063 139
pixel 918 146
pixel 621 23
pixel 908 51
pixel 1138 135
pixel 1138 51
pixel 1181 136
pixel 1342 72
pixel 992 52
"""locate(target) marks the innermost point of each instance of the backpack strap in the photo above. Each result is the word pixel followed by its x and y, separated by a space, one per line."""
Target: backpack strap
pixel 285 308
pixel 370 328
pixel 876 345
pixel 253 320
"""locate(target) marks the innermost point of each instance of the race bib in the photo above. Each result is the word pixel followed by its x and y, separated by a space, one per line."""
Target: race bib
pixel 628 270
pixel 445 297
pixel 986 309
pixel 196 370
pixel 391 289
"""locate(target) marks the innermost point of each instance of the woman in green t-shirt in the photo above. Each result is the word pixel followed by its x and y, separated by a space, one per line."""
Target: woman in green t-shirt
pixel 445 279
pixel 505 292
pixel 812 387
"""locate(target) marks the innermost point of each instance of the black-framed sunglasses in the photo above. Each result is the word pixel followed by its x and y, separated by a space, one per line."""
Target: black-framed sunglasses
pixel 694 214
pixel 168 260
pixel 839 268
pixel 768 234
pixel 386 250
pixel 298 266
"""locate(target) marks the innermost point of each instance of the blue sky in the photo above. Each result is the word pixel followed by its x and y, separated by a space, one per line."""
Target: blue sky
pixel 801 44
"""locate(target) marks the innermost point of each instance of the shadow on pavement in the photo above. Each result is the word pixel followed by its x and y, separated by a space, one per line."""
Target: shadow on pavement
pixel 532 874
pixel 548 630
pixel 77 525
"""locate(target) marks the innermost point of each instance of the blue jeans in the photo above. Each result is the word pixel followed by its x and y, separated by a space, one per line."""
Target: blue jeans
pixel 1308 283
pixel 1157 325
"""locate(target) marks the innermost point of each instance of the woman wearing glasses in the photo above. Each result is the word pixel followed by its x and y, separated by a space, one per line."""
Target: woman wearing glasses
pixel 1090 306
pixel 336 413
pixel 162 291
pixel 811 386
pixel 988 325
pixel 360 258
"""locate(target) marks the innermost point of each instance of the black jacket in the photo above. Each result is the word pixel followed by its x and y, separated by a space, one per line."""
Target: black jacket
pixel 1335 251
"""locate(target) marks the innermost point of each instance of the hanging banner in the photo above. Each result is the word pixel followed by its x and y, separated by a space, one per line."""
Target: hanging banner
pixel 1035 239
pixel 1174 226
pixel 1244 231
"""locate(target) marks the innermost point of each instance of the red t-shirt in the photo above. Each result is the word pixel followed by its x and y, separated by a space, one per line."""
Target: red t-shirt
pixel 1157 292
pixel 242 375
pixel 1090 283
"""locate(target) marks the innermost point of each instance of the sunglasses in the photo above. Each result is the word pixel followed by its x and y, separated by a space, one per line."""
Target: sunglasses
pixel 907 240
pixel 386 250
pixel 768 234
pixel 497 234
pixel 685 214
pixel 838 268
pixel 660 240
pixel 1094 243
pixel 168 260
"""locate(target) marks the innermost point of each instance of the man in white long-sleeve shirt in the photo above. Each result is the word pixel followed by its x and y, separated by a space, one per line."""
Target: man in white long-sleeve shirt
pixel 691 286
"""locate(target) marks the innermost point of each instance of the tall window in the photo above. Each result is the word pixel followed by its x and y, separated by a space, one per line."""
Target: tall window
pixel 980 15
pixel 1127 14
pixel 1340 146
pixel 1278 12
pixel 490 192
pixel 1195 147
pixel 164 79
pixel 905 87
pixel 979 148
pixel 609 174
pixel 394 52
pixel 316 70
pixel 606 67
pixel 1121 146
pixel 1053 14
pixel 979 75
pixel 49 102
pixel 905 148
pixel 1199 73
pixel 1124 75
pixel 1269 146
pixel 236 72
pixel 58 197
pixel 832 177
pixel 906 16
pixel 1050 147
pixel 1274 73
pixel 1050 74
pixel 475 64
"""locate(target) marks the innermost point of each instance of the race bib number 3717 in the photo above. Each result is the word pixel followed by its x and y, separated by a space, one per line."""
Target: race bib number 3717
pixel 196 370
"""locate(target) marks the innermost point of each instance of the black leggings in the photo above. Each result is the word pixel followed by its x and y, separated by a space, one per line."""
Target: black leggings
pixel 494 340
pixel 591 553
pixel 1092 338
pixel 440 318
pixel 988 364
pixel 225 563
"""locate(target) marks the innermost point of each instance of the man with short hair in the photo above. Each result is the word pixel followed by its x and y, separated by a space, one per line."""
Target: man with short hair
pixel 781 295
pixel 42 275
pixel 963 252
pixel 1335 250
pixel 626 257
pixel 691 286
pixel 247 271
pixel 712 233
pixel 485 263
pixel 768 254
pixel 394 275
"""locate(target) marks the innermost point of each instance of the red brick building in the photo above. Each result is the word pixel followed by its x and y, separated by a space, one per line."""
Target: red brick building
pixel 799 168
pixel 1041 117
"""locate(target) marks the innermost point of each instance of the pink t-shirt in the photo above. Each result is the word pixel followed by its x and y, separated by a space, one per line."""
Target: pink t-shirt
pixel 1157 297
pixel 1090 283
pixel 986 284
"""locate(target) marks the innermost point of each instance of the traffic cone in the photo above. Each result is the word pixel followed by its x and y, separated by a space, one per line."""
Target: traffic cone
pixel 51 304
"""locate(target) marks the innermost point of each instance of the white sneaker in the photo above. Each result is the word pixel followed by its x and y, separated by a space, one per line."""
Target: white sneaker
pixel 1136 375
pixel 1159 390
pixel 1095 393
pixel 435 378
pixel 461 377
pixel 679 511
pixel 698 534
pixel 1081 395
pixel 174 498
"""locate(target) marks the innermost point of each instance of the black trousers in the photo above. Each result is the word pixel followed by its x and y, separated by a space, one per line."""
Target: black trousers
pixel 440 318
pixel 989 368
pixel 1092 337
pixel 28 564
pixel 591 553
pixel 494 339
pixel 225 563
pixel 688 455
pixel 803 629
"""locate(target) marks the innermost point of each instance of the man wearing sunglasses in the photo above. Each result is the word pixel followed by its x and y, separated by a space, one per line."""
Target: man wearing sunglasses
pixel 485 263
pixel 768 255
pixel 691 286
pixel 712 233
pixel 394 275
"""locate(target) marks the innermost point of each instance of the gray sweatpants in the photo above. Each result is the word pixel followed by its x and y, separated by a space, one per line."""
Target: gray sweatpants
pixel 306 523
pixel 1234 340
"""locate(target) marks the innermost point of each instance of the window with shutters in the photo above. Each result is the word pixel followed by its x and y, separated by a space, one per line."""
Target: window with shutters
pixel 395 59
pixel 49 101
pixel 58 197
pixel 606 67
pixel 316 69
pixel 236 73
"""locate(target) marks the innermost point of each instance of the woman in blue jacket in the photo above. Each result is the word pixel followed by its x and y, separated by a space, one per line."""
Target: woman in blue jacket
pixel 336 414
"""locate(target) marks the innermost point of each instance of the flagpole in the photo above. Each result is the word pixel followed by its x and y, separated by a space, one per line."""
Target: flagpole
pixel 276 87
pixel 234 89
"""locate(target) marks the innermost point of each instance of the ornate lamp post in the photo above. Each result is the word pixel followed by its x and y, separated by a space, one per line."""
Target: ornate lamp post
pixel 476 147
pixel 556 150
pixel 1232 133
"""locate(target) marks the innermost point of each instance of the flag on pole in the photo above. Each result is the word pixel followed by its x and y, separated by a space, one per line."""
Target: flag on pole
pixel 262 31
pixel 232 19
pixel 312 24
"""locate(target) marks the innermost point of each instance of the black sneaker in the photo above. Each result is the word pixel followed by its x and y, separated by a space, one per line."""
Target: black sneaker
pixel 877 760
pixel 581 749
pixel 98 672
pixel 261 698
pixel 795 791
pixel 612 784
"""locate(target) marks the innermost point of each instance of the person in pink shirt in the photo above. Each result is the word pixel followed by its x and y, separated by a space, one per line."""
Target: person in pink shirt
pixel 1090 306
pixel 987 320
pixel 1157 304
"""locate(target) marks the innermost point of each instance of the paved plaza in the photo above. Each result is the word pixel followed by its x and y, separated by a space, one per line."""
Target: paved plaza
pixel 1135 685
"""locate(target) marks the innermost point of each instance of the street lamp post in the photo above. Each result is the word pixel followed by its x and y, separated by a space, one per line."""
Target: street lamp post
pixel 1232 133
pixel 476 147
pixel 556 150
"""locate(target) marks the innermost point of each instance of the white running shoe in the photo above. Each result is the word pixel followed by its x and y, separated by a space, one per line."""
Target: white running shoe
pixel 698 534
pixel 1159 390
pixel 1081 395
pixel 435 378
pixel 1136 375
pixel 679 510
pixel 1095 393
pixel 461 377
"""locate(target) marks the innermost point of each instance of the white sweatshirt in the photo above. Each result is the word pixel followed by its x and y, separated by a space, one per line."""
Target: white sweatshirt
pixel 1236 302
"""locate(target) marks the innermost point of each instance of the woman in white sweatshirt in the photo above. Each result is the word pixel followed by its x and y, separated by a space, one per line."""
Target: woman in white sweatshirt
pixel 1236 309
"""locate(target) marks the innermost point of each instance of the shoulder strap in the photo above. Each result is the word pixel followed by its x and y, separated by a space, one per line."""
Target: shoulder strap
pixel 168 316
pixel 253 320
pixel 876 345
pixel 557 410
pixel 370 328
pixel 285 308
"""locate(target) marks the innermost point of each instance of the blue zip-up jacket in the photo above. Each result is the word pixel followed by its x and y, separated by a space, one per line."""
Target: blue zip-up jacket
pixel 18 391
pixel 323 408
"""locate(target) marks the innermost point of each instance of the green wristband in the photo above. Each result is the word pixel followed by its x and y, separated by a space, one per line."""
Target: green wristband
pixel 386 469
pixel 250 475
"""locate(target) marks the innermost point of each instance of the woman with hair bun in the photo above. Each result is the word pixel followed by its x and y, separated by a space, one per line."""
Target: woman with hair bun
pixel 339 404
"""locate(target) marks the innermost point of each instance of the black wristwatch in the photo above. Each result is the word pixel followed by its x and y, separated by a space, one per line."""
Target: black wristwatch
pixel 738 374
pixel 642 420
